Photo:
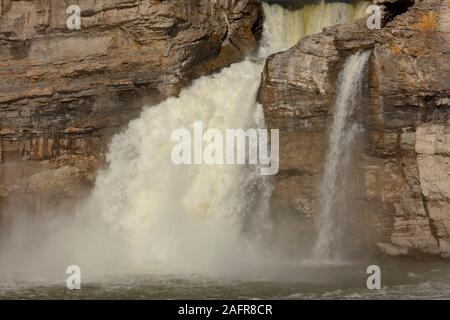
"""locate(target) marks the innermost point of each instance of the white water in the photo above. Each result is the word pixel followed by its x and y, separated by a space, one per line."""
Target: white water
pixel 145 210
pixel 184 214
pixel 283 28
pixel 340 146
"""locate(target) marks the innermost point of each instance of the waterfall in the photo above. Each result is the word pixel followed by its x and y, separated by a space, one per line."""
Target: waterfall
pixel 188 212
pixel 145 209
pixel 284 28
pixel 340 146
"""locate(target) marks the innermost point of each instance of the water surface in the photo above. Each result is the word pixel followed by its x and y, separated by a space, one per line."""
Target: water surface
pixel 400 280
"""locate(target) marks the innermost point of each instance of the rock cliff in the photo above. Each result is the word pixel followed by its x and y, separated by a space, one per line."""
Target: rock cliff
pixel 400 194
pixel 64 92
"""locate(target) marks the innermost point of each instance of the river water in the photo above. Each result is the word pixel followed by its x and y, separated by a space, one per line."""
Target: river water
pixel 399 280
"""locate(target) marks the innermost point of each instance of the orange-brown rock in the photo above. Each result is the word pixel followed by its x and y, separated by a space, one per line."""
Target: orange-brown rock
pixel 64 92
pixel 400 190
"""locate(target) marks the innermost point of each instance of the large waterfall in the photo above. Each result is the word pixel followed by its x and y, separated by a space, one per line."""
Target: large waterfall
pixel 193 212
pixel 186 212
pixel 170 211
pixel 340 146
pixel 146 209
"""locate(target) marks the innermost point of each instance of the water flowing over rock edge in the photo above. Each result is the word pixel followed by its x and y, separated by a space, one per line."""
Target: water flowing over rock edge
pixel 399 213
pixel 413 234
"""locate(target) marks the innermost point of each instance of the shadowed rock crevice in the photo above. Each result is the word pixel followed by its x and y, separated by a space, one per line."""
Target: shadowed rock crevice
pixel 393 8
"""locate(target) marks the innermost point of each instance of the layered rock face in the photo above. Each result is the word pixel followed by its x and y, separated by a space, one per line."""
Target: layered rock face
pixel 64 92
pixel 400 195
pixel 410 115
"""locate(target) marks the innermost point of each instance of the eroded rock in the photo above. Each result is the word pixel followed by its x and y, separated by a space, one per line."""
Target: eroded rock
pixel 403 165
pixel 64 93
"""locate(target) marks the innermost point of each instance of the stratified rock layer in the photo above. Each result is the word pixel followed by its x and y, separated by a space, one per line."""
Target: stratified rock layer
pixel 63 92
pixel 401 188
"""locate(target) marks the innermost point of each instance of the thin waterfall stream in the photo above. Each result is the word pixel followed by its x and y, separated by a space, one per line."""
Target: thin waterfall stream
pixel 341 142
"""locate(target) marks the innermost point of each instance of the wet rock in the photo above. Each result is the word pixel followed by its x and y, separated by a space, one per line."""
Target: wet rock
pixel 392 250
pixel 48 189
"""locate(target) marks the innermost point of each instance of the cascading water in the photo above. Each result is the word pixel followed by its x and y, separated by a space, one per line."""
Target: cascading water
pixel 186 212
pixel 284 28
pixel 212 204
pixel 340 146
pixel 148 224
pixel 146 209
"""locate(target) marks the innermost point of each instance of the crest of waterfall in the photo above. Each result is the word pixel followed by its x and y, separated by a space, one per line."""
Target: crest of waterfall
pixel 341 142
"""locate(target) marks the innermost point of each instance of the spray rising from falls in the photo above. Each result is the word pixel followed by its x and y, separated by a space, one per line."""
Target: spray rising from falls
pixel 191 217
pixel 340 146
pixel 186 213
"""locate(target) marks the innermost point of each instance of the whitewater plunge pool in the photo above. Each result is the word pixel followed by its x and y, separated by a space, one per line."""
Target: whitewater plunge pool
pixel 400 280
